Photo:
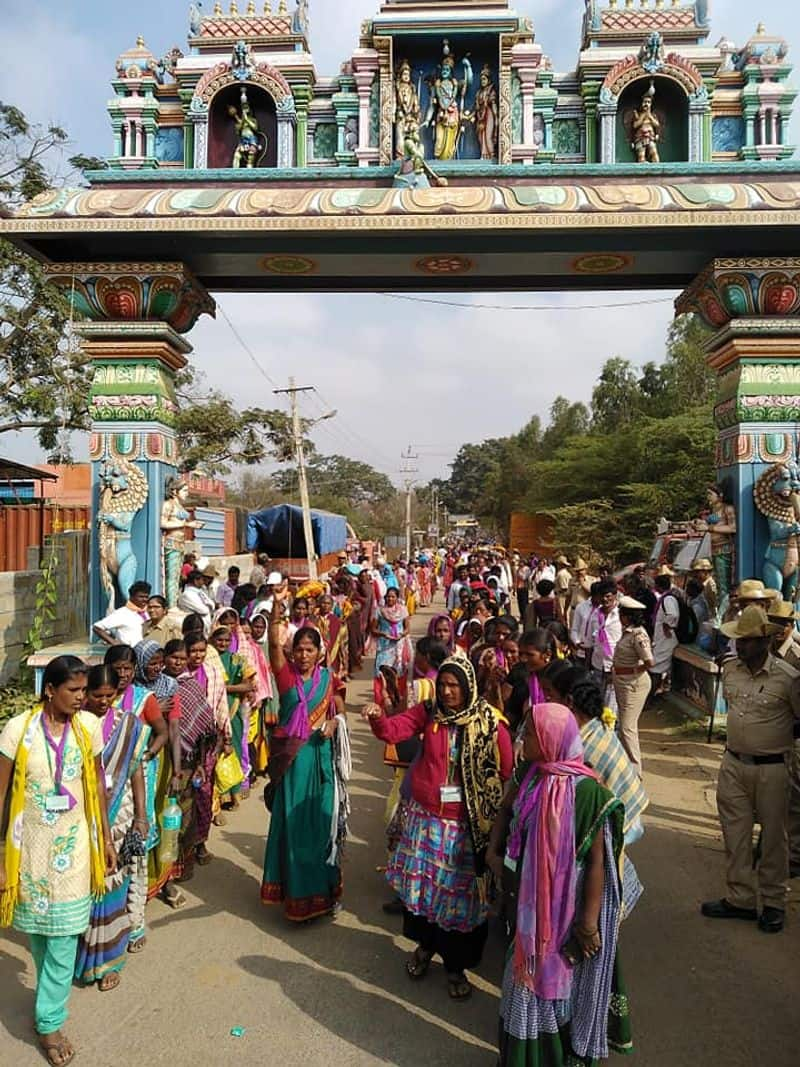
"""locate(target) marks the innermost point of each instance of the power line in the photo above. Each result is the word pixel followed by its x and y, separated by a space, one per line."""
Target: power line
pixel 247 348
pixel 524 307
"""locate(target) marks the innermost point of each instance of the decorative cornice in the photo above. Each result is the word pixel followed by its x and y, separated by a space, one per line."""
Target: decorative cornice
pixel 741 288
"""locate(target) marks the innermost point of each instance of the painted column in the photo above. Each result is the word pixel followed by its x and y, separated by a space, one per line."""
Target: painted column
pixel 607 110
pixel 365 67
pixel 287 124
pixel 590 92
pixel 754 307
pixel 134 315
pixel 302 98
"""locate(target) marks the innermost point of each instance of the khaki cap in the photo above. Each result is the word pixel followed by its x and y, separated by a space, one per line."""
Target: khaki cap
pixel 782 612
pixel 630 604
pixel 562 561
pixel 210 571
pixel 753 589
pixel 665 572
pixel 702 565
pixel 581 564
pixel 751 623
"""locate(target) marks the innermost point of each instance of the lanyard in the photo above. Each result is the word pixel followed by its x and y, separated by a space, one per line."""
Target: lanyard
pixel 453 754
pixel 58 749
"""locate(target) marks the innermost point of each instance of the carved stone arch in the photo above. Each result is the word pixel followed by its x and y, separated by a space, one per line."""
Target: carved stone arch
pixel 263 76
pixel 675 68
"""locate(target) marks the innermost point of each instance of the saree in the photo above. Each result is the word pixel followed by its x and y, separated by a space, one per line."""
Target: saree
pixel 237 670
pixel 297 872
pixel 393 649
pixel 103 947
pixel 335 636
pixel 198 753
pixel 579 1029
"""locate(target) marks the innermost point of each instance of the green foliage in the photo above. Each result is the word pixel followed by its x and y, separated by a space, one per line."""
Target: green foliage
pixel 15 698
pixel 604 479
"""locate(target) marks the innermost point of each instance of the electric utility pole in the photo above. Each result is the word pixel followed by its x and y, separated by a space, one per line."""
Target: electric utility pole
pixel 408 457
pixel 297 433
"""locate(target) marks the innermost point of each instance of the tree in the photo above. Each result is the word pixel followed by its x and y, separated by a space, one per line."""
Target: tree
pixel 617 398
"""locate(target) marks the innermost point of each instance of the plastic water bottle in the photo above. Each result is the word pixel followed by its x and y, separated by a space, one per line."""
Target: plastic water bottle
pixel 170 820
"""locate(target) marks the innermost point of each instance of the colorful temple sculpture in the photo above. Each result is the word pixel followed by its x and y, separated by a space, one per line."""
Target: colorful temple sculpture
pixel 470 75
pixel 446 153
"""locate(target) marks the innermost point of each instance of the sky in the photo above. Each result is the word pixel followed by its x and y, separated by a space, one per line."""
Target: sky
pixel 399 373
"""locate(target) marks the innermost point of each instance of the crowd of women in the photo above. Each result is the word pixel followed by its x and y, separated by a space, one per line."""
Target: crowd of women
pixel 511 795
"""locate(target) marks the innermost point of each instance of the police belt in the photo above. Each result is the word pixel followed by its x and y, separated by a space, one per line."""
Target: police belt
pixel 757 761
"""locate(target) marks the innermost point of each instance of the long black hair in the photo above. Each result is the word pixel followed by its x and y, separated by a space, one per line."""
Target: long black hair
pixel 119 654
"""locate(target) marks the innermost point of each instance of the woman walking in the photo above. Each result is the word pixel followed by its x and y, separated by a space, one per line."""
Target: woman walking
pixel 240 683
pixel 58 847
pixel 562 1001
pixel 103 947
pixel 633 659
pixel 391 632
pixel 456 788
pixel 302 861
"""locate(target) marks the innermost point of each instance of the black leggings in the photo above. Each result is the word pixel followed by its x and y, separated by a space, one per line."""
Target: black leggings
pixel 458 950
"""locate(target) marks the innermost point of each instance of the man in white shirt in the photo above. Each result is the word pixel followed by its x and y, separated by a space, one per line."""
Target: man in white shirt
pixel 195 599
pixel 580 631
pixel 606 632
pixel 460 582
pixel 124 626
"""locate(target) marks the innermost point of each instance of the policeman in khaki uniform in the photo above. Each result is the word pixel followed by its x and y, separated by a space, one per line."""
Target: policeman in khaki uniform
pixel 786 646
pixel 763 696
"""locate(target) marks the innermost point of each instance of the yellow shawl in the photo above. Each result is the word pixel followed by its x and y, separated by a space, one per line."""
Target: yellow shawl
pixel 8 896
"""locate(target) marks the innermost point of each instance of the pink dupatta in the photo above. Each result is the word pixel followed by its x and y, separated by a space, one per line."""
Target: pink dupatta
pixel 545 818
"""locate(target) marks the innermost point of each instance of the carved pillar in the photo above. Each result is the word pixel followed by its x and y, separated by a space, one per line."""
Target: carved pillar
pixel 287 124
pixel 754 306
pixel 136 314
pixel 607 112
pixel 365 67
pixel 526 59
pixel 199 119
pixel 383 46
pixel 302 98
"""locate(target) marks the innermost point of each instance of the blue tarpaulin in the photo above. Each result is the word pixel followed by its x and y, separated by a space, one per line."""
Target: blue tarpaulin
pixel 279 531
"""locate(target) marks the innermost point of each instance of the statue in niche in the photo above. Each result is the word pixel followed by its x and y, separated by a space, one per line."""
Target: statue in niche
pixel 487 116
pixel 351 134
pixel 720 523
pixel 414 172
pixel 300 22
pixel 406 105
pixel 777 497
pixel 645 129
pixel 175 519
pixel 123 494
pixel 446 110
pixel 250 137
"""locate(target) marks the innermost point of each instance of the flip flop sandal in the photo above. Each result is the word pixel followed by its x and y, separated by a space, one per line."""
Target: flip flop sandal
pixel 203 858
pixel 417 967
pixel 108 982
pixel 58 1053
pixel 173 897
pixel 137 946
pixel 459 988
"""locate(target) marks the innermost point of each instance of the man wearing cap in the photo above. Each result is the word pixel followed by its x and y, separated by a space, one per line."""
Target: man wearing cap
pixel 703 572
pixel 562 582
pixel 579 587
pixel 194 599
pixel 665 625
pixel 633 658
pixel 786 646
pixel 763 697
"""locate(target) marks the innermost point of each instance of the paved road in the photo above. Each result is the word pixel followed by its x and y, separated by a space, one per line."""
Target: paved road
pixel 336 992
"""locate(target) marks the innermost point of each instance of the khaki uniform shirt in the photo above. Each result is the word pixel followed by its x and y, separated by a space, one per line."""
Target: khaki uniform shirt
pixel 633 648
pixel 562 582
pixel 762 707
pixel 789 651
pixel 162 632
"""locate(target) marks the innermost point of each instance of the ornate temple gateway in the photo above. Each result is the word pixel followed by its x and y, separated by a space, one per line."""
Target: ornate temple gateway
pixel 445 154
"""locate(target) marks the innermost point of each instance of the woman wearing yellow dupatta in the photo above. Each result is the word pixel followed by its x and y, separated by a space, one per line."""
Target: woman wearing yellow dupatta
pixel 57 842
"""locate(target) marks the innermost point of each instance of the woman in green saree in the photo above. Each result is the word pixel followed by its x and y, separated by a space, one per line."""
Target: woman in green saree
pixel 301 865
pixel 240 680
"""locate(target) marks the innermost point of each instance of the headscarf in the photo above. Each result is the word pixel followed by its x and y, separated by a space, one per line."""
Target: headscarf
pixel 162 687
pixel 545 819
pixel 234 629
pixel 389 577
pixel 480 753
pixel 451 626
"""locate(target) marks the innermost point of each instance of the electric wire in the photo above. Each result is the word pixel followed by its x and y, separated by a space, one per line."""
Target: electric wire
pixel 524 307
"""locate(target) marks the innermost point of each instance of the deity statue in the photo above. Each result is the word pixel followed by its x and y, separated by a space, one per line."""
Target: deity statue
pixel 195 18
pixel 487 115
pixel 123 494
pixel 446 109
pixel 351 134
pixel 242 61
pixel 406 105
pixel 721 524
pixel 646 130
pixel 414 172
pixel 300 18
pixel 651 54
pixel 777 497
pixel 248 133
pixel 175 519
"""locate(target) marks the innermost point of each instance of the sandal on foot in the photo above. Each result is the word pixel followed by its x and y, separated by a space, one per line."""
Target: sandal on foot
pixel 418 963
pixel 202 855
pixel 172 896
pixel 220 820
pixel 137 946
pixel 108 982
pixel 459 987
pixel 58 1051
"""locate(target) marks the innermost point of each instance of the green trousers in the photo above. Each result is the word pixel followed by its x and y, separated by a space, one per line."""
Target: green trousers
pixel 54 958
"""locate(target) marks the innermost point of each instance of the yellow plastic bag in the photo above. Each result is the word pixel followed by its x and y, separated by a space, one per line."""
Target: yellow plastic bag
pixel 261 754
pixel 228 773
